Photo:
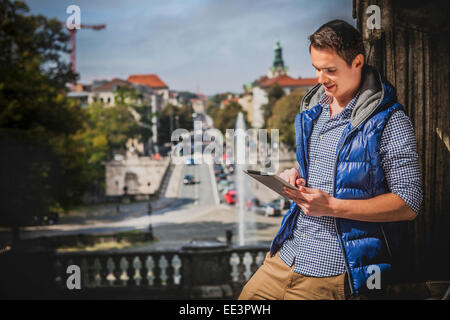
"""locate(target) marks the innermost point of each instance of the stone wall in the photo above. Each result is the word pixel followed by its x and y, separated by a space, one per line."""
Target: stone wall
pixel 138 175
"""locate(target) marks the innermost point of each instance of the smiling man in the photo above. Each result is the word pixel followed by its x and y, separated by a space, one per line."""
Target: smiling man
pixel 358 179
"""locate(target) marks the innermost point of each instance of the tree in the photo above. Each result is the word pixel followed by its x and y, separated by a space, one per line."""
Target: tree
pixel 274 94
pixel 226 117
pixel 135 102
pixel 173 117
pixel 213 106
pixel 218 98
pixel 212 110
pixel 184 97
pixel 37 121
pixel 283 116
pixel 31 179
pixel 106 131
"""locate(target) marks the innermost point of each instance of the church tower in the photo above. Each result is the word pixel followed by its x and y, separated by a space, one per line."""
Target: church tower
pixel 277 68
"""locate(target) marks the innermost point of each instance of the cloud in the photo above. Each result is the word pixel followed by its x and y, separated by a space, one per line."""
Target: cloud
pixel 218 45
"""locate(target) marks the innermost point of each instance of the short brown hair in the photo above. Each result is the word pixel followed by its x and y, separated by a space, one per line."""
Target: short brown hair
pixel 339 36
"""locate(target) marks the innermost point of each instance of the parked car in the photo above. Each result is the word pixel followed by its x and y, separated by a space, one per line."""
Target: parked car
pixel 269 210
pixel 283 203
pixel 253 202
pixel 48 219
pixel 218 169
pixel 230 196
pixel 221 176
pixel 229 187
pixel 51 218
pixel 222 185
pixel 189 179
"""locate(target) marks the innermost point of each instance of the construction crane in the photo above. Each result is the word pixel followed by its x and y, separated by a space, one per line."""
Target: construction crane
pixel 72 32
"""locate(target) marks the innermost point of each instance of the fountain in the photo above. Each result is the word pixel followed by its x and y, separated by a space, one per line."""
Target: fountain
pixel 244 218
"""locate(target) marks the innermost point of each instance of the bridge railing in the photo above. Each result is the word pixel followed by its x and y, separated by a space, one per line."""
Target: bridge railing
pixel 204 273
pixel 156 274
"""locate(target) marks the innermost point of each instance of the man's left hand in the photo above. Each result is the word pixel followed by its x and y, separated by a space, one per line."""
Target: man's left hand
pixel 313 202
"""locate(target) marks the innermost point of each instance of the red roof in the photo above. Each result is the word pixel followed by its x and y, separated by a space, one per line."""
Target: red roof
pixel 149 80
pixel 286 81
pixel 228 100
pixel 202 96
pixel 112 85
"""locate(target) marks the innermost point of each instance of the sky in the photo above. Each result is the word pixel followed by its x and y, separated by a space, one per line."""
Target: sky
pixel 213 45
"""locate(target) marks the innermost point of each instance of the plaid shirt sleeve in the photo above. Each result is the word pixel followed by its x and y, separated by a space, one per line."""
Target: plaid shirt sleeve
pixel 399 160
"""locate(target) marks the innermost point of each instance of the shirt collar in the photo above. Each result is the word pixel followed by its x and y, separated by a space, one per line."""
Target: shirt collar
pixel 325 101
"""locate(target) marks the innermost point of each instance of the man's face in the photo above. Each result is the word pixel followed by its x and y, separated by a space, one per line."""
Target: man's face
pixel 338 78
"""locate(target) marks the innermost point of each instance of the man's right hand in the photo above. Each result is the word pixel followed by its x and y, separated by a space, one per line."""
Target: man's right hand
pixel 293 177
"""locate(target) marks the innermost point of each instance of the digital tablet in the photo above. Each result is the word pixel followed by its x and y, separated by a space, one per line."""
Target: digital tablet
pixel 273 182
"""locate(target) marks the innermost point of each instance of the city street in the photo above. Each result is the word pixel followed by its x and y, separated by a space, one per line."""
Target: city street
pixel 195 213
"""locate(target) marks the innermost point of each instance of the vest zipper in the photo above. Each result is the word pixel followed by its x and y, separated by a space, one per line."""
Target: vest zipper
pixel 347 267
pixel 349 278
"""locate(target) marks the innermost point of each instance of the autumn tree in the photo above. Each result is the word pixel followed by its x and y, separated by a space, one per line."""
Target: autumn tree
pixel 274 93
pixel 283 116
pixel 226 117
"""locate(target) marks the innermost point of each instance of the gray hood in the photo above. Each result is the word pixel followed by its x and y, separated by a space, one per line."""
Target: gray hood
pixel 372 93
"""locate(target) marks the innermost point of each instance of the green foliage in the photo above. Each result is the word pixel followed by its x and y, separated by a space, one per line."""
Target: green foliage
pixel 30 177
pixel 274 94
pixel 134 100
pixel 185 97
pixel 212 110
pixel 32 74
pixel 173 117
pixel 214 102
pixel 283 116
pixel 106 130
pixel 32 44
pixel 127 96
pixel 37 121
pixel 218 98
pixel 226 117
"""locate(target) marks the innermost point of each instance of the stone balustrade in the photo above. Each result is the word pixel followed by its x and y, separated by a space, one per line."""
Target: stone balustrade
pixel 188 273
pixel 158 274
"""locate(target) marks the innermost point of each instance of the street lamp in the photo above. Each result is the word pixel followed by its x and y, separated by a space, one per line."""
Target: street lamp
pixel 150 227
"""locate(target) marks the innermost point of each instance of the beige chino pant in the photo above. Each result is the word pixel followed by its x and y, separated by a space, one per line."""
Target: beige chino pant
pixel 274 280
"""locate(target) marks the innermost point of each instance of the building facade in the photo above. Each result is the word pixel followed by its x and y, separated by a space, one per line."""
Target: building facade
pixel 277 74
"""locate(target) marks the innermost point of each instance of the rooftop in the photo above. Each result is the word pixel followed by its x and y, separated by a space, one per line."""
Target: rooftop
pixel 111 85
pixel 150 80
pixel 287 81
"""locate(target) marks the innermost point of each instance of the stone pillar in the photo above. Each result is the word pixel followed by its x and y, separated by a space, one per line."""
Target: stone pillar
pixel 206 270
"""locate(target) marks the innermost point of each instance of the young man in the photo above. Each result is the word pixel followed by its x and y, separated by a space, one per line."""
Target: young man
pixel 358 177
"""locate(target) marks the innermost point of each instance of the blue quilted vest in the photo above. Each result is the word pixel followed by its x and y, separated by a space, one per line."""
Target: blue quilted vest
pixel 357 175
